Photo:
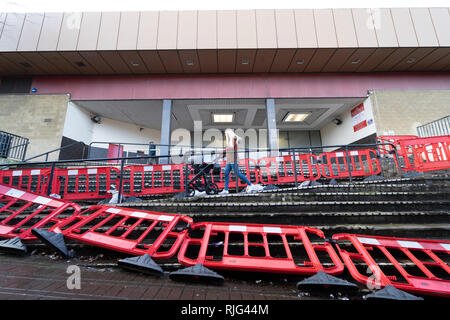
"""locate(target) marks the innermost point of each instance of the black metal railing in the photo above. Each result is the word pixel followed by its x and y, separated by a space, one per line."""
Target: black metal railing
pixel 189 157
pixel 439 127
pixel 12 146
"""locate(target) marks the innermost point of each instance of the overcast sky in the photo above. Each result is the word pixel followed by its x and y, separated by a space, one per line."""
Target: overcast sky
pixel 141 5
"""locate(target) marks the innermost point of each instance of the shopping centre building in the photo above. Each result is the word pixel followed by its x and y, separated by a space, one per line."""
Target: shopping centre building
pixel 285 78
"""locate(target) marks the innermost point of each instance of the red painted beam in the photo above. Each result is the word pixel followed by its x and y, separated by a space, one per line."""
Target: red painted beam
pixel 238 86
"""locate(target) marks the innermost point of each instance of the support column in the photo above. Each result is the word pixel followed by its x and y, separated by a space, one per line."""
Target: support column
pixel 272 131
pixel 166 122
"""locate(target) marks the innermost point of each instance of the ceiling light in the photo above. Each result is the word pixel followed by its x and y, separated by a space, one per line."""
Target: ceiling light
pixel 223 117
pixel 300 61
pixel 189 62
pixel 25 64
pixel 135 63
pixel 244 61
pixel 80 64
pixel 356 61
pixel 410 60
pixel 295 117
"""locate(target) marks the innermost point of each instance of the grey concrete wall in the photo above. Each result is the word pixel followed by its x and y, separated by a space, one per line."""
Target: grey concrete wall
pixel 401 112
pixel 39 118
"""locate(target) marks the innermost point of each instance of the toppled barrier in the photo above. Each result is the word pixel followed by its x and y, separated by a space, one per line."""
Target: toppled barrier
pixel 135 232
pixel 256 247
pixel 23 211
pixel 426 272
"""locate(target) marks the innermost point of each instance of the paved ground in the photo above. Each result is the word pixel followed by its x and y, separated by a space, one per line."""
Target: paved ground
pixel 39 277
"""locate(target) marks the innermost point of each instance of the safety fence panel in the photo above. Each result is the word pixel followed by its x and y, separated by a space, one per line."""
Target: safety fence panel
pixel 21 211
pixel 259 248
pixel 343 164
pixel 405 155
pixel 280 169
pixel 247 167
pixel 413 265
pixel 432 153
pixel 153 179
pixel 85 183
pixel 33 180
pixel 134 232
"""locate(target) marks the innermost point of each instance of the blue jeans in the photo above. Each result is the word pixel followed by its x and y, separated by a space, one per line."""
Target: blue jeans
pixel 235 167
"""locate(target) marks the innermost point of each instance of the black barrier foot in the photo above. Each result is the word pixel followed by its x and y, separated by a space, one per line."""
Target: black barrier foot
pixel 14 246
pixel 391 293
pixel 196 273
pixel 53 240
pixel 144 264
pixel 412 174
pixel 333 182
pixel 322 280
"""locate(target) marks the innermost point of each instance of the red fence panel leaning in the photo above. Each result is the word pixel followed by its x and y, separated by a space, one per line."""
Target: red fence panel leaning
pixel 85 183
pixel 153 179
pixel 33 180
pixel 135 232
pixel 280 169
pixel 431 153
pixel 338 164
pixel 417 266
pixel 260 248
pixel 404 153
pixel 22 211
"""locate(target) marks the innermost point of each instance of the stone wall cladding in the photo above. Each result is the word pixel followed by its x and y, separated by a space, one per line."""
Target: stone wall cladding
pixel 402 111
pixel 39 118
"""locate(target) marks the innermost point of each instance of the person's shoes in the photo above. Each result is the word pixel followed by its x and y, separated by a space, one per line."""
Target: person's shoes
pixel 224 192
pixel 199 193
pixel 254 188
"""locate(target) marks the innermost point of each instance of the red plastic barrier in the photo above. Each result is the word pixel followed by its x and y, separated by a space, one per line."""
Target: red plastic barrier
pixel 281 169
pixel 255 247
pixel 20 213
pixel 403 152
pixel 33 180
pixel 85 183
pixel 432 153
pixel 153 179
pixel 134 232
pixel 427 273
pixel 362 162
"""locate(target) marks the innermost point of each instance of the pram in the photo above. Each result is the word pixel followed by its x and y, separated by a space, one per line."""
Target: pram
pixel 200 181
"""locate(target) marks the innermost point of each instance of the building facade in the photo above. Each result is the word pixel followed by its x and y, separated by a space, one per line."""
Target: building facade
pixel 285 78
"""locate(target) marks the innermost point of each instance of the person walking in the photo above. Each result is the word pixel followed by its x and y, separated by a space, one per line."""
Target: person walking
pixel 232 159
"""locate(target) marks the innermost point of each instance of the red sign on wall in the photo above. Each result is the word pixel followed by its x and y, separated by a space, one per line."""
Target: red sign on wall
pixel 358 117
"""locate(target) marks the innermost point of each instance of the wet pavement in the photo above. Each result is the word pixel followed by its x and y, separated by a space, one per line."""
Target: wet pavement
pixel 38 277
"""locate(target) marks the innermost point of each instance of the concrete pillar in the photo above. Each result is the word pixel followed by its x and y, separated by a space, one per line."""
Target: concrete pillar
pixel 272 131
pixel 166 122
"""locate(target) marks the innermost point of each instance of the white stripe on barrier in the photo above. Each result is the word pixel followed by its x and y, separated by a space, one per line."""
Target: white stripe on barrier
pixel 280 159
pixel 113 210
pixel 166 167
pixel 339 154
pixel 237 228
pixel 446 246
pixel 148 168
pixel 42 200
pixel 409 244
pixel 15 193
pixel 72 172
pixel 137 214
pixel 353 153
pixel 17 173
pixel 35 172
pixel 92 171
pixel 368 241
pixel 165 218
pixel 272 229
